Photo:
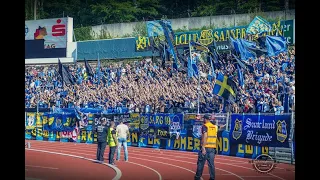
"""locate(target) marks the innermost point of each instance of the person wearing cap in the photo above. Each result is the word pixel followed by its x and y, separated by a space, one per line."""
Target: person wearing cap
pixel 122 135
pixel 207 148
pixel 102 139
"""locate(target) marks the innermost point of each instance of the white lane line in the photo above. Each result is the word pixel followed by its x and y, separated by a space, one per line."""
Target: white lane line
pixel 41 167
pixel 159 175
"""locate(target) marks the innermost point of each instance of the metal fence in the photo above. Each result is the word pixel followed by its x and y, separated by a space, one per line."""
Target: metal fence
pixel 285 155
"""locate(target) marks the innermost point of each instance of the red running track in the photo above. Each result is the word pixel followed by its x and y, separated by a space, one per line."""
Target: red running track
pixel 148 163
pixel 40 165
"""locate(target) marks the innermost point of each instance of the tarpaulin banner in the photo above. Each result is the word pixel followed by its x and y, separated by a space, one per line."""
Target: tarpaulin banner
pixel 208 37
pixel 160 125
pixel 260 130
pixel 58 122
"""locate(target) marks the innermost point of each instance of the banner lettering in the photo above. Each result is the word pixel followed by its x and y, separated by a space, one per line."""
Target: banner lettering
pixel 261 130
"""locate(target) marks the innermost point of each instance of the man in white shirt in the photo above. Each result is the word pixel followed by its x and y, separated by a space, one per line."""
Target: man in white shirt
pixel 122 134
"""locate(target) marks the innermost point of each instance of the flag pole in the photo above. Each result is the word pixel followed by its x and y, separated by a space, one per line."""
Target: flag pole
pixel 198 88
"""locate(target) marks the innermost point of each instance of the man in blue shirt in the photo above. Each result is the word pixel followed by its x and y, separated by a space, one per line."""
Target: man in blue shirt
pixel 102 131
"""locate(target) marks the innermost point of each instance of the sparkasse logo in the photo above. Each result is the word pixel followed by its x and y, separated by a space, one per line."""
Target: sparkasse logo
pixel 58 29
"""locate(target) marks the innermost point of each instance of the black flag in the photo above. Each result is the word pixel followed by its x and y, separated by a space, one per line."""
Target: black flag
pixel 88 68
pixel 65 75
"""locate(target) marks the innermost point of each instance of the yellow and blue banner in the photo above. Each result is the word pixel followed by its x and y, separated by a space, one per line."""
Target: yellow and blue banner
pixel 59 122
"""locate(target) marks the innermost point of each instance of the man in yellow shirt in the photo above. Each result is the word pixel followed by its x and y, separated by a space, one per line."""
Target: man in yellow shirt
pixel 113 142
pixel 208 148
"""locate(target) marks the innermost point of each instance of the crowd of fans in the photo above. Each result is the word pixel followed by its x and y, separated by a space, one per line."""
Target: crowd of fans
pixel 149 87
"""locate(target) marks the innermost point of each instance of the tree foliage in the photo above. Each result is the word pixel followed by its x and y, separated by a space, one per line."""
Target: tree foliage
pixel 95 12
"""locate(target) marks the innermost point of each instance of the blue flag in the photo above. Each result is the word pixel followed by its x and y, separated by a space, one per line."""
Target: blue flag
pixel 190 71
pixel 258 26
pixel 169 35
pixel 244 46
pixel 276 45
pixel 234 44
pixel 155 29
pixel 212 68
pixel 240 76
pixel 192 67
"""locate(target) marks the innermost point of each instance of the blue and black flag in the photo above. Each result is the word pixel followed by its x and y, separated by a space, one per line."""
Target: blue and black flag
pixel 243 65
pixel 225 87
pixel 65 74
pixel 169 35
pixel 88 68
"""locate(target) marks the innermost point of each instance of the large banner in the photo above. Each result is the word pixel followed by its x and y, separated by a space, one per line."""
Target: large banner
pixel 161 126
pixel 261 130
pixel 59 122
pixel 209 36
pixel 166 131
pixel 53 31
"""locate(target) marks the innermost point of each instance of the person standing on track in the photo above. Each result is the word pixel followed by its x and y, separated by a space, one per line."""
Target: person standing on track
pixel 122 135
pixel 113 142
pixel 207 148
pixel 102 131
